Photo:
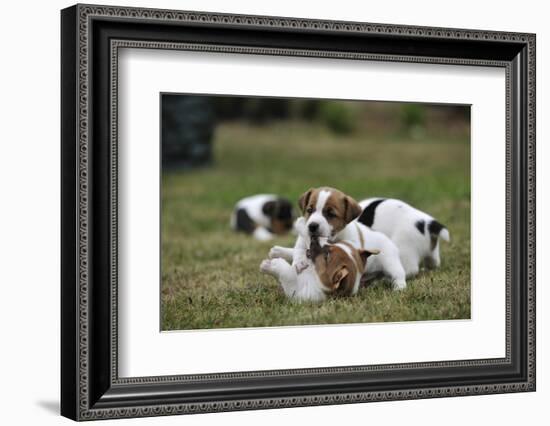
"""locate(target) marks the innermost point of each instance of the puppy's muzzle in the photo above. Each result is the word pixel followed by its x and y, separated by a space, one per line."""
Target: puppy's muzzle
pixel 313 228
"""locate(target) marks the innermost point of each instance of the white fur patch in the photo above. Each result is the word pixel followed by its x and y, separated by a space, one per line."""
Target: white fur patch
pixel 400 222
pixel 322 199
pixel 262 234
pixel 325 229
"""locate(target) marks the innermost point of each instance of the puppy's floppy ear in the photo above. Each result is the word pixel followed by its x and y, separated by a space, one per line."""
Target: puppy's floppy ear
pixel 352 209
pixel 269 208
pixel 304 199
pixel 339 276
pixel 364 254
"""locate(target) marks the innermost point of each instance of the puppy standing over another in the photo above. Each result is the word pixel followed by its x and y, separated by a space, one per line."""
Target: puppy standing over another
pixel 318 269
pixel 262 216
pixel 329 213
pixel 414 232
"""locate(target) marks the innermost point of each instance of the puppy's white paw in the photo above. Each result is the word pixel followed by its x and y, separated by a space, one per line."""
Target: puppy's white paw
pixel 398 285
pixel 300 226
pixel 276 252
pixel 301 266
pixel 262 234
pixel 266 266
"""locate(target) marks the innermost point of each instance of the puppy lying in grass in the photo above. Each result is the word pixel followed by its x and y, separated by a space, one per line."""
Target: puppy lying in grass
pixel 263 216
pixel 415 233
pixel 318 270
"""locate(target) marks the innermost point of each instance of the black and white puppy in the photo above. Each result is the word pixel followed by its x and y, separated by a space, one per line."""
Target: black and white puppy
pixel 262 216
pixel 414 232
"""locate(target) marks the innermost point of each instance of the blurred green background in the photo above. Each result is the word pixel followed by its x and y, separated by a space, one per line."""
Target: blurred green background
pixel 219 149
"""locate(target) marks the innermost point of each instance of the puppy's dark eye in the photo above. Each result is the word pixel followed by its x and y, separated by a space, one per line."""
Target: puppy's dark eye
pixel 310 209
pixel 330 214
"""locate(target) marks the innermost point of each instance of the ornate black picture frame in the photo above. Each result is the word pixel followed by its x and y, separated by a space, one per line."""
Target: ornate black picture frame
pixel 91 36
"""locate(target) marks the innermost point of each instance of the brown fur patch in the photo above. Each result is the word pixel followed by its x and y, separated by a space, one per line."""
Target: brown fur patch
pixel 336 270
pixel 360 255
pixel 279 212
pixel 304 200
pixel 280 227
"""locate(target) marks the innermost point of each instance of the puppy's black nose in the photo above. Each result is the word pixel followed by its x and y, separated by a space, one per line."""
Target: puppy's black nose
pixel 313 227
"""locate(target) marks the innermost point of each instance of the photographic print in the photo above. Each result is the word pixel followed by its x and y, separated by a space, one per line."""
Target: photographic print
pixel 291 190
pixel 290 211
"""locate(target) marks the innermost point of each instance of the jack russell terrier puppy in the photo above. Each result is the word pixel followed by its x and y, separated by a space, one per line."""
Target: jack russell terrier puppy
pixel 262 216
pixel 318 269
pixel 414 232
pixel 331 214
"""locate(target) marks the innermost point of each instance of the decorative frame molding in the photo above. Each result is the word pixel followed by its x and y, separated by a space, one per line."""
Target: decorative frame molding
pixel 91 37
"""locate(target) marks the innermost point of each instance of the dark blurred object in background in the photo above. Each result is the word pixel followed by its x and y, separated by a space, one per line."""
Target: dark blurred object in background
pixel 187 129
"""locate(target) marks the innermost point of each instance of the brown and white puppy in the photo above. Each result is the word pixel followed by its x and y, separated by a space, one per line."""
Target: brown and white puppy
pixel 263 216
pixel 318 270
pixel 331 214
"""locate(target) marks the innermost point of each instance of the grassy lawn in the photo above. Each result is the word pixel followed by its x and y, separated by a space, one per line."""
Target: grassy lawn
pixel 210 275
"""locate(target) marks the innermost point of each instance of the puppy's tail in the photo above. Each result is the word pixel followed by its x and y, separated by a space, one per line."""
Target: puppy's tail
pixel 437 230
